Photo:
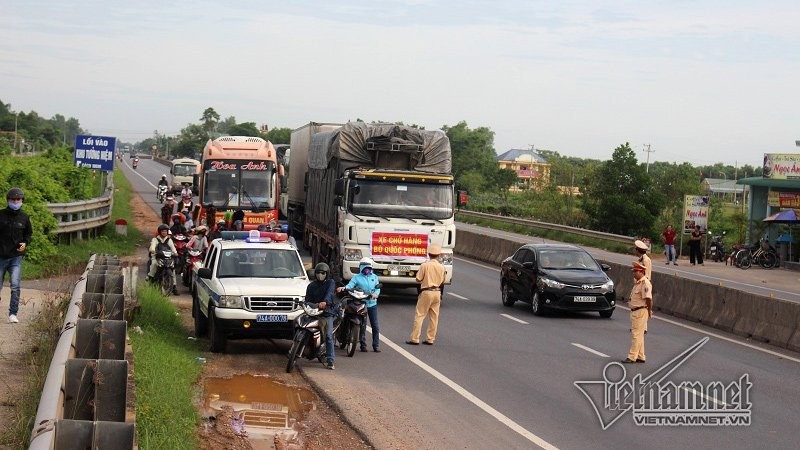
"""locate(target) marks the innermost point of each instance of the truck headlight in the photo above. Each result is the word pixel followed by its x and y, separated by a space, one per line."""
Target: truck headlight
pixel 352 254
pixel 230 301
pixel 551 283
pixel 446 259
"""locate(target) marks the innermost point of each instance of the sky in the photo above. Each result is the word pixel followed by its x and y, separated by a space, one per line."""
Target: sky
pixel 698 81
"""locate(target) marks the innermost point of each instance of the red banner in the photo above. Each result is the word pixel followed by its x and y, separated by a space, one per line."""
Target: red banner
pixel 399 244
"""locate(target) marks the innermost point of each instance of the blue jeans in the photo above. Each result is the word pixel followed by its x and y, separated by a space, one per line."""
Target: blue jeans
pixel 327 324
pixel 671 256
pixel 13 266
pixel 372 313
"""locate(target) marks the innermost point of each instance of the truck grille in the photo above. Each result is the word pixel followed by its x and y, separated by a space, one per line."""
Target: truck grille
pixel 270 303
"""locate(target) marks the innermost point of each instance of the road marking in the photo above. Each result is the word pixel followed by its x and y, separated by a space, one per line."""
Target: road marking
pixel 590 350
pixel 143 177
pixel 700 394
pixel 496 269
pixel 502 418
pixel 458 296
pixel 514 319
pixel 724 338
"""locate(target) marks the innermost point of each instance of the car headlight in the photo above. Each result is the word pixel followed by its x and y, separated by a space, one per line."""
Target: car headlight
pixel 230 301
pixel 446 259
pixel 352 254
pixel 608 286
pixel 551 283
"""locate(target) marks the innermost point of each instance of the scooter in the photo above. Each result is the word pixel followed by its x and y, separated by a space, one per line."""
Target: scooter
pixel 355 313
pixel 135 163
pixel 161 194
pixel 308 341
pixel 193 257
pixel 181 241
pixel 165 274
pixel 717 248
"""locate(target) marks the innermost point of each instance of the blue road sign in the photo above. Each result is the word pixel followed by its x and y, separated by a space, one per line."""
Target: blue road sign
pixel 95 152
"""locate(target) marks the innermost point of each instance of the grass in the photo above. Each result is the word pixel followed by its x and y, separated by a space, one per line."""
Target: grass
pixel 165 372
pixel 555 235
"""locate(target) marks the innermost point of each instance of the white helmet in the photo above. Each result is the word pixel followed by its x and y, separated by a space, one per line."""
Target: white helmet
pixel 366 260
pixel 163 175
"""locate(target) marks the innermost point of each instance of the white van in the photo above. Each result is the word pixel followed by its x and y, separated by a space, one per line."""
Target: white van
pixel 183 171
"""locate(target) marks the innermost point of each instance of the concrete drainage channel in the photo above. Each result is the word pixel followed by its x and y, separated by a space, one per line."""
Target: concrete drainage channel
pixel 85 402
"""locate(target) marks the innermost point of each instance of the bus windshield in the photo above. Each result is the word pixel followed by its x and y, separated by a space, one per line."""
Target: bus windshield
pixel 232 187
pixel 409 200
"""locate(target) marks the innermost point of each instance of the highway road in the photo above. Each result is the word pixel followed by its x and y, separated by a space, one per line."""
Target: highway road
pixel 499 377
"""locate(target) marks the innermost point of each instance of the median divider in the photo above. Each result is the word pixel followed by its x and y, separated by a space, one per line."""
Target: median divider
pixel 85 402
pixel 749 315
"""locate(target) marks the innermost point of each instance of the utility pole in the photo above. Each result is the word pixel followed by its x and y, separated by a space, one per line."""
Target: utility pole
pixel 648 150
pixel 16 116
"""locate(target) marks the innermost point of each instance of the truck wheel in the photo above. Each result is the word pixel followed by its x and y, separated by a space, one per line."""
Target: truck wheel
pixel 217 339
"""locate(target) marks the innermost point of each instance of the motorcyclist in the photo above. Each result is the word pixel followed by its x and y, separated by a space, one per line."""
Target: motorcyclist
pixel 186 204
pixel 161 242
pixel 186 191
pixel 367 282
pixel 135 162
pixel 320 294
pixel 167 209
pixel 199 241
pixel 217 233
pixel 177 224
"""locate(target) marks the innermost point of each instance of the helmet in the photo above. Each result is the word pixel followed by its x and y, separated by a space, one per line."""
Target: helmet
pixel 15 193
pixel 322 267
pixel 201 229
pixel 164 176
pixel 163 227
pixel 366 260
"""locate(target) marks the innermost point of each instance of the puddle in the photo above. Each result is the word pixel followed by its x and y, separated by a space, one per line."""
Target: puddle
pixel 265 406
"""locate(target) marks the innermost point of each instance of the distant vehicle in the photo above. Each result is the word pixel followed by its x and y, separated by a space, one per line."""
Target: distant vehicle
pixel 558 277
pixel 184 171
pixel 248 287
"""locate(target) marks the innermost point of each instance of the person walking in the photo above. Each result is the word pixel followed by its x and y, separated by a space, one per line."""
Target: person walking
pixel 431 276
pixel 320 295
pixel 695 250
pixel 669 245
pixel 367 282
pixel 641 304
pixel 641 250
pixel 15 235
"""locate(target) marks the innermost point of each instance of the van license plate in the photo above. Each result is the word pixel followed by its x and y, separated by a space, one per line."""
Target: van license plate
pixel 584 299
pixel 272 318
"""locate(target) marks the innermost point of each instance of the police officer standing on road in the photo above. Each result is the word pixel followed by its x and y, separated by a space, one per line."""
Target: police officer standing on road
pixel 431 278
pixel 641 250
pixel 15 235
pixel 641 304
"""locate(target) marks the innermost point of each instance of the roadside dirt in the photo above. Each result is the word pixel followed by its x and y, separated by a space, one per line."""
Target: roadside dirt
pixel 321 428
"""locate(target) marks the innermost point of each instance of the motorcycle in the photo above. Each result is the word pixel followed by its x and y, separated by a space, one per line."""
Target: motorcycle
pixel 193 257
pixel 135 163
pixel 717 248
pixel 165 273
pixel 161 194
pixel 308 341
pixel 180 241
pixel 355 313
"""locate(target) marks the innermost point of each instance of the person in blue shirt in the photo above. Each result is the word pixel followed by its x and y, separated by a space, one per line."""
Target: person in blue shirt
pixel 320 295
pixel 367 282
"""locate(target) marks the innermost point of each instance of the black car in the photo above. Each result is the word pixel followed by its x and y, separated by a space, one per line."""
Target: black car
pixel 557 276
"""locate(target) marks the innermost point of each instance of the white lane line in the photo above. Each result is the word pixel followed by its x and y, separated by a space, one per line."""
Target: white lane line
pixel 496 269
pixel 458 296
pixel 514 319
pixel 700 394
pixel 502 418
pixel 724 338
pixel 590 350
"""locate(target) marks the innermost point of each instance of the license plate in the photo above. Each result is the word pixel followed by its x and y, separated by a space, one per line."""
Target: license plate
pixel 272 318
pixel 398 268
pixel 584 299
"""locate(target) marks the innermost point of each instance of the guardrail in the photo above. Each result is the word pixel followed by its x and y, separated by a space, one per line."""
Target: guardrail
pixel 551 226
pixel 83 218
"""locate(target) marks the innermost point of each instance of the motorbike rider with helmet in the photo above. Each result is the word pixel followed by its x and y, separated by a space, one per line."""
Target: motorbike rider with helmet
pixel 161 242
pixel 167 209
pixel 320 295
pixel 163 181
pixel 177 224
pixel 367 282
pixel 198 241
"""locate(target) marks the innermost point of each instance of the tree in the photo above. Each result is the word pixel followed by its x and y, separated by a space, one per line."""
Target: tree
pixel 471 181
pixel 621 199
pixel 244 129
pixel 279 135
pixel 473 152
pixel 504 179
pixel 210 120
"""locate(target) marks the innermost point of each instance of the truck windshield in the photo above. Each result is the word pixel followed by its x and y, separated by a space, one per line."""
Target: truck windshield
pixel 247 189
pixel 408 200
pixel 183 170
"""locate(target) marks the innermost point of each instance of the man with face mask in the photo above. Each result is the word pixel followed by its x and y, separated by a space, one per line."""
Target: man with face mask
pixel 368 282
pixel 15 235
pixel 320 295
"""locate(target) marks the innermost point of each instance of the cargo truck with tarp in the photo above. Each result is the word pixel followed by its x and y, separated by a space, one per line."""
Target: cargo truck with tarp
pixel 382 191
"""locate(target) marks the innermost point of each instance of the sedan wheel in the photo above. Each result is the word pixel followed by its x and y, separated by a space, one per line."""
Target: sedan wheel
pixel 536 305
pixel 505 291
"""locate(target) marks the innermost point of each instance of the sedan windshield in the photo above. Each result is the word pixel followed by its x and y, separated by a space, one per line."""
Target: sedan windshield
pixel 566 260
pixel 259 263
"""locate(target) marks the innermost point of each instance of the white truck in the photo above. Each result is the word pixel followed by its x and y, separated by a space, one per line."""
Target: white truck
pixel 382 191
pixel 184 171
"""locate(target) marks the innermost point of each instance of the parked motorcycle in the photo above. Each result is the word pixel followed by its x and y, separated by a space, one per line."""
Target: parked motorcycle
pixel 161 194
pixel 355 313
pixel 165 273
pixel 308 341
pixel 717 248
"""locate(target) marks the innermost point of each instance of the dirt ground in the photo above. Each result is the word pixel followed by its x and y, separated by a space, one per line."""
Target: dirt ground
pixel 322 428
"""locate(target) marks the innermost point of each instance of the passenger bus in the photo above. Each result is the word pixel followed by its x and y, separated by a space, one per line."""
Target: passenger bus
pixel 240 173
pixel 183 171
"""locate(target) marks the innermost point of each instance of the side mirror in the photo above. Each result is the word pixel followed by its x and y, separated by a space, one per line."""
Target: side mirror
pixel 529 265
pixel 605 267
pixel 461 199
pixel 339 188
pixel 284 186
pixel 204 272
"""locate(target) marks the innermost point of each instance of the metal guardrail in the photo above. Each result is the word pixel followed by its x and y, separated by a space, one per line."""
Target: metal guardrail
pixel 551 226
pixel 88 216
